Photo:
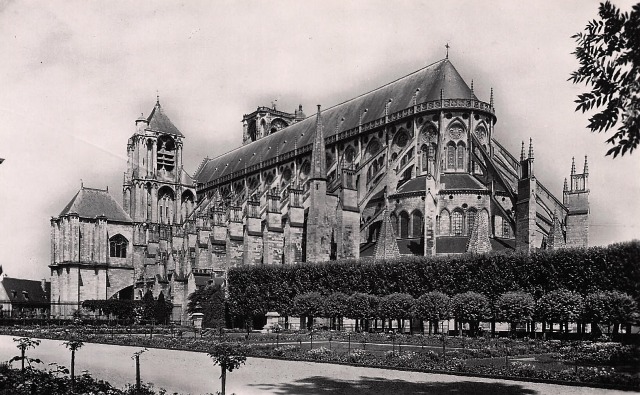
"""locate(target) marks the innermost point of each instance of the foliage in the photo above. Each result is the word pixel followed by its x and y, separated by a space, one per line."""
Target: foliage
pixel 470 307
pixel 229 356
pixel 362 306
pixel 610 307
pixel 162 310
pixel 120 308
pixel 560 306
pixel 516 307
pixel 432 306
pixel 396 305
pixel 609 54
pixel 73 346
pixel 600 353
pixel 336 305
pixel 309 304
pixel 211 301
pixel 258 289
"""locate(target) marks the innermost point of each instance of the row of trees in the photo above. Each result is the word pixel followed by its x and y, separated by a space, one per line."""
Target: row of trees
pixel 560 306
pixel 255 290
pixel 148 309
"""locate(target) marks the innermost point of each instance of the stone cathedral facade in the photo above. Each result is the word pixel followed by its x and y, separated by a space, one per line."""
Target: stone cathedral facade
pixel 411 168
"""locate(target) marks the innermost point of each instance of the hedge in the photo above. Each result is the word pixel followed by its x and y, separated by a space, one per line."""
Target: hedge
pixel 259 289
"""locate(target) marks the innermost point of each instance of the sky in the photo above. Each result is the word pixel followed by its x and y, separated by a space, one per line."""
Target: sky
pixel 74 76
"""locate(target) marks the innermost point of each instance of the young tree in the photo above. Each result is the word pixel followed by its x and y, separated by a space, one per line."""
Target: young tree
pixel 362 307
pixel 308 305
pixel 433 307
pixel 609 54
pixel 470 307
pixel 516 308
pixel 136 357
pixel 229 356
pixel 25 343
pixel 398 306
pixel 211 300
pixel 561 306
pixel 148 306
pixel 73 346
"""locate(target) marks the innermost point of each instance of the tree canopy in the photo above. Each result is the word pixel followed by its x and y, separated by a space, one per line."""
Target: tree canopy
pixel 609 54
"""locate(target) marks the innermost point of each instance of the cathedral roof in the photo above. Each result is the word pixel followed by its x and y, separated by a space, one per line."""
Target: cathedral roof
pixel 423 85
pixel 92 203
pixel 160 122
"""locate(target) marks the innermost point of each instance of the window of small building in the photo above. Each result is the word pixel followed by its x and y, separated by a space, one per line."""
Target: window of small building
pixel 417 229
pixel 118 246
pixel 471 220
pixel 457 223
pixel 404 225
pixel 506 228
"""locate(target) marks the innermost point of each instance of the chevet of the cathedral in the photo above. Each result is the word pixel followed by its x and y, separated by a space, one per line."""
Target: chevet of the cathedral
pixel 413 167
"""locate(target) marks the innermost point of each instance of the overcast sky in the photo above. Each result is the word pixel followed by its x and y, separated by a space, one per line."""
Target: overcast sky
pixel 75 75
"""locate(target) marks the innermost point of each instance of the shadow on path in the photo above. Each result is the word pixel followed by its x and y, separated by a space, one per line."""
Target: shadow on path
pixel 318 385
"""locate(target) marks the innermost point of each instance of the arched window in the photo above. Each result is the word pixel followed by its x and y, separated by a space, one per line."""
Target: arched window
pixel 166 198
pixel 457 223
pixel 417 228
pixel 445 223
pixel 404 225
pixel 471 219
pixel 461 152
pixel 349 154
pixel 118 246
pixel 425 157
pixel 166 153
pixel 451 156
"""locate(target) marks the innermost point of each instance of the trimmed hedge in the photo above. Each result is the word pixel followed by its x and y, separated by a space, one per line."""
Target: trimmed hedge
pixel 258 289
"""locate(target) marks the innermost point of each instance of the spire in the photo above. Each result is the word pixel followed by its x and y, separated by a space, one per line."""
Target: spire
pixel 447 47
pixel 522 152
pixel 586 166
pixel 566 186
pixel 318 159
pixel 472 89
pixel 491 100
pixel 531 148
pixel 573 166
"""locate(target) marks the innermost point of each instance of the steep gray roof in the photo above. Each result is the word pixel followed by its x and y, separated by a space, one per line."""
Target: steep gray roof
pixel 430 80
pixel 22 291
pixel 160 122
pixel 91 203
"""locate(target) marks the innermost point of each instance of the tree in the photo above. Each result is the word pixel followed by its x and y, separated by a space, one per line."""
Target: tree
pixel 162 309
pixel 609 54
pixel 310 305
pixel 470 307
pixel 362 307
pixel 561 306
pixel 229 356
pixel 516 308
pixel 433 307
pixel 396 305
pixel 609 308
pixel 335 307
pixel 25 343
pixel 73 346
pixel 136 357
pixel 148 306
pixel 211 300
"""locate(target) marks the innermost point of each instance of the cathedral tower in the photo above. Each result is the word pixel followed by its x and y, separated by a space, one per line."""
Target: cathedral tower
pixel 156 188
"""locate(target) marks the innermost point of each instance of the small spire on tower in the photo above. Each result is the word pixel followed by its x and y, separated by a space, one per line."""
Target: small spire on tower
pixel 522 152
pixel 441 94
pixel 566 186
pixel 573 165
pixel 530 148
pixel 471 88
pixel 586 166
pixel 447 47
pixel 491 99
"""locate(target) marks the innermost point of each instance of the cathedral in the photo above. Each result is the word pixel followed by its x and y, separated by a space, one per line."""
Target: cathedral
pixel 410 168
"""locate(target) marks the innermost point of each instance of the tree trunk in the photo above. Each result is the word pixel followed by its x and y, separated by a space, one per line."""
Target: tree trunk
pixel 223 379
pixel 73 368
pixel 493 327
pixel 23 352
pixel 137 372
